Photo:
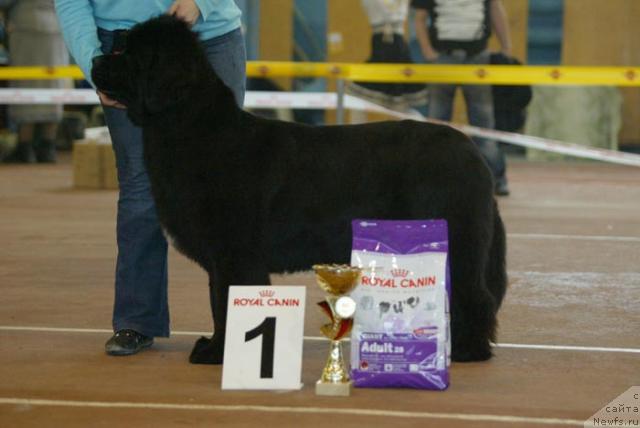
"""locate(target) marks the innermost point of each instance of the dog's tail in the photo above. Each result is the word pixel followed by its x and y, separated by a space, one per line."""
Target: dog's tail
pixel 496 270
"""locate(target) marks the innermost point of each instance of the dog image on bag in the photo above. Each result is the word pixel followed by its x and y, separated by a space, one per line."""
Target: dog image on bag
pixel 245 196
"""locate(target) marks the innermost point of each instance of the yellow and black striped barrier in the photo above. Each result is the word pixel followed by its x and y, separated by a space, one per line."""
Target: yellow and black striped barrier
pixel 399 73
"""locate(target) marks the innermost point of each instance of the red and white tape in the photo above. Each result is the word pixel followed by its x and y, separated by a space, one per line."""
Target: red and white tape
pixel 328 101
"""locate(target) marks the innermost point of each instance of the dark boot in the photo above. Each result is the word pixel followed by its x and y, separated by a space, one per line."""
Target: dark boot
pixel 23 153
pixel 501 187
pixel 127 342
pixel 46 151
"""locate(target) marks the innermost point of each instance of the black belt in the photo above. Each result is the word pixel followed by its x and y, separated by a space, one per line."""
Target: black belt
pixel 119 41
pixel 466 53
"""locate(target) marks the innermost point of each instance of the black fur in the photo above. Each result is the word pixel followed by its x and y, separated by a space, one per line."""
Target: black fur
pixel 244 196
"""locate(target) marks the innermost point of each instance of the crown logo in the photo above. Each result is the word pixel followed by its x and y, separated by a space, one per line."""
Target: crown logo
pixel 399 272
pixel 267 293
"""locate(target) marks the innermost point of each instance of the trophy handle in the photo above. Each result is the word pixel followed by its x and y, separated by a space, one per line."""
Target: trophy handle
pixel 339 327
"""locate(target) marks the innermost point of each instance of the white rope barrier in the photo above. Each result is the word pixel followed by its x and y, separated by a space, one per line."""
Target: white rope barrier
pixel 328 101
pixel 554 146
pixel 48 96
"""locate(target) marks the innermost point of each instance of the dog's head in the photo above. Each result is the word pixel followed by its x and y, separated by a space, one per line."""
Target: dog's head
pixel 160 64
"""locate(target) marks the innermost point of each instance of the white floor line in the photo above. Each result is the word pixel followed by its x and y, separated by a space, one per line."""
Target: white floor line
pixel 508 419
pixel 573 237
pixel 321 339
pixel 567 348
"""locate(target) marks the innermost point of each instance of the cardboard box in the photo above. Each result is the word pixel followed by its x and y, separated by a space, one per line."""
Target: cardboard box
pixel 94 165
pixel 87 169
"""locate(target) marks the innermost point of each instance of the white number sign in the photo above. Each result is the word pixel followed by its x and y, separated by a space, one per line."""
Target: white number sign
pixel 263 346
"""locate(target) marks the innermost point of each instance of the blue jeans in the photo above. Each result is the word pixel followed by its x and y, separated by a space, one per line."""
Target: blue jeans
pixel 479 101
pixel 141 300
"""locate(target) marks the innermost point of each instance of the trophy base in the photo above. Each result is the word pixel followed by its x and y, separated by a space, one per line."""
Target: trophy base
pixel 342 389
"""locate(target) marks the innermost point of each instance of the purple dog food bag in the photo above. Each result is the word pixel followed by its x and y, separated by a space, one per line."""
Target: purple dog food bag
pixel 400 337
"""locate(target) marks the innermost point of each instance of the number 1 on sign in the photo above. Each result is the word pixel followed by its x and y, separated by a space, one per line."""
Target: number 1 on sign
pixel 263 345
pixel 268 332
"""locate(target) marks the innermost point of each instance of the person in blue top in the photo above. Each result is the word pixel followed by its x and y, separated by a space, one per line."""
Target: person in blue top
pixel 92 28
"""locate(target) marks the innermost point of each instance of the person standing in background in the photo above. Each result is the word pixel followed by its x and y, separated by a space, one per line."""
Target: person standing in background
pixel 96 27
pixel 457 32
pixel 388 45
pixel 35 40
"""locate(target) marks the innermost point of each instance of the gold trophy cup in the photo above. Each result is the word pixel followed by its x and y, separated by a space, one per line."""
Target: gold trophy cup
pixel 337 281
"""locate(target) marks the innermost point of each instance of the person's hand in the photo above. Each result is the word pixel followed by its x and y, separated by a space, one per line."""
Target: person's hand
pixel 108 102
pixel 430 56
pixel 186 10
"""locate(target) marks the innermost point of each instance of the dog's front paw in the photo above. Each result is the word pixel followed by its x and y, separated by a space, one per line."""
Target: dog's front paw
pixel 468 353
pixel 208 351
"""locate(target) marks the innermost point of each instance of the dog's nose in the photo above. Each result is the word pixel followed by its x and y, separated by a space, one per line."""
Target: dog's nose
pixel 99 61
pixel 99 70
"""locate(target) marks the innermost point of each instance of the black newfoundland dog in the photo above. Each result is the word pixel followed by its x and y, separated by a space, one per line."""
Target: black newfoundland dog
pixel 244 196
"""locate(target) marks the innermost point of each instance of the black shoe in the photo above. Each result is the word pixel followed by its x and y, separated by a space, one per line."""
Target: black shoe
pixel 501 188
pixel 45 151
pixel 127 342
pixel 23 153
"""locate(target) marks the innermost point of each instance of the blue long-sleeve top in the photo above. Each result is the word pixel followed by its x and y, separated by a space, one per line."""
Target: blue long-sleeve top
pixel 80 19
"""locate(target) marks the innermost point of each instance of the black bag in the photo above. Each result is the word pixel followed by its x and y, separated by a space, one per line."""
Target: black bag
pixel 509 101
